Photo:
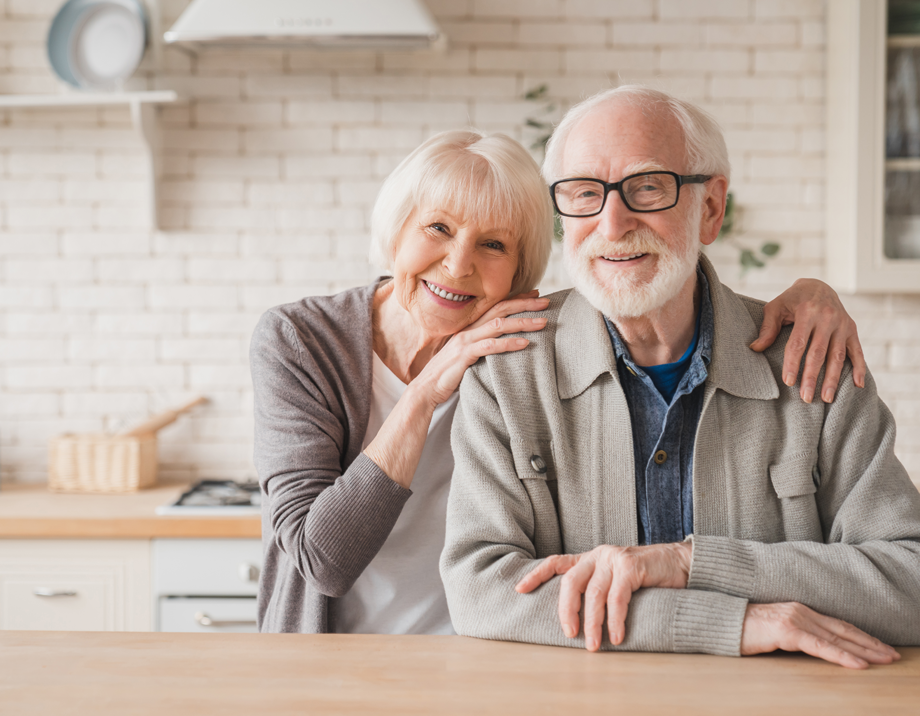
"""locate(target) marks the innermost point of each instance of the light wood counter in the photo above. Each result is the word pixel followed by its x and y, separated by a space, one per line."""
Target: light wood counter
pixel 31 511
pixel 177 674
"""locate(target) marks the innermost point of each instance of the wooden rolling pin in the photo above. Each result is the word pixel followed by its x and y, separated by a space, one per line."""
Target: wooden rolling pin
pixel 151 425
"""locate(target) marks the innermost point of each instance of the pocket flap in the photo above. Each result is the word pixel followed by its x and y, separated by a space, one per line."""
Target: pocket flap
pixel 793 477
pixel 533 459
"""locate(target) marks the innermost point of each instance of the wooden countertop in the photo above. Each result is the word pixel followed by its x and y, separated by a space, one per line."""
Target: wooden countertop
pixel 126 673
pixel 31 511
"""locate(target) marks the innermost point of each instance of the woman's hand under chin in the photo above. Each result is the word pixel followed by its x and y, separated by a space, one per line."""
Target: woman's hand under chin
pixel 822 324
pixel 441 377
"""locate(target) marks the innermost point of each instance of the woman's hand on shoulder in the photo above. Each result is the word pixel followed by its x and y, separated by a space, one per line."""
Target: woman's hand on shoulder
pixel 487 336
pixel 823 326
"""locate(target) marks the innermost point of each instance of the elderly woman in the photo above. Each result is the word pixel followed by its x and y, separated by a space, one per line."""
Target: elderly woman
pixel 354 393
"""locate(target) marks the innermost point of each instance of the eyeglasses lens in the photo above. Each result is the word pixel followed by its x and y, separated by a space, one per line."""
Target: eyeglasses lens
pixel 580 197
pixel 650 192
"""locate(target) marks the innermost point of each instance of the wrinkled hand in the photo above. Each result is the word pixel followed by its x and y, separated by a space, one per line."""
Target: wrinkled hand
pixel 608 576
pixel 792 626
pixel 819 316
pixel 441 377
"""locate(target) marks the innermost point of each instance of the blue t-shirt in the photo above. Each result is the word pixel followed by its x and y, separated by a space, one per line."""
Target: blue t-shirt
pixel 667 377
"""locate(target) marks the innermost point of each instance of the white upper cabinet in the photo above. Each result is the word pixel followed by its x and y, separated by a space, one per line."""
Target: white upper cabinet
pixel 873 146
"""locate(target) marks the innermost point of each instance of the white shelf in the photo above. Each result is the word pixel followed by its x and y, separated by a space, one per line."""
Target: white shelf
pixel 903 41
pixel 903 164
pixel 87 99
pixel 141 105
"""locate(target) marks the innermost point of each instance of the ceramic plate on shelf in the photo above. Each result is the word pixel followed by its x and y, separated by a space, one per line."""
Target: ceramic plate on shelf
pixel 97 44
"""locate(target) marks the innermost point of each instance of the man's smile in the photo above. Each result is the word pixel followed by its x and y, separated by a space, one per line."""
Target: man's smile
pixel 630 257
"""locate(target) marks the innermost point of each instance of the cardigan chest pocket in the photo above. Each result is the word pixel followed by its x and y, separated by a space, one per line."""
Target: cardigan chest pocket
pixel 793 481
pixel 533 461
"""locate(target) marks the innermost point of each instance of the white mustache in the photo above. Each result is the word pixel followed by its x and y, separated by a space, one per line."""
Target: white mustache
pixel 640 241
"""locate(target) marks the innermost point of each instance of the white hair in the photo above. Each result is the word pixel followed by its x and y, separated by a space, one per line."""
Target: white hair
pixel 491 179
pixel 703 140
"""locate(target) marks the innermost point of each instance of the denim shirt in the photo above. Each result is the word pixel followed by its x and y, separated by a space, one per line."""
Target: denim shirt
pixel 664 486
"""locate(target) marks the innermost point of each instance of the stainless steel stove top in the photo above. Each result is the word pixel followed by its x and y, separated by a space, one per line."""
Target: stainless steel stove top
pixel 218 498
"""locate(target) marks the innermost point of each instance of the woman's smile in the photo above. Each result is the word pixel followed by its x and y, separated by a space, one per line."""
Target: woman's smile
pixel 443 296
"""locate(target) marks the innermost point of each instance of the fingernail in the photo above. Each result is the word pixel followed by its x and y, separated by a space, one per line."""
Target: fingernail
pixel 568 631
pixel 591 643
pixel 538 320
pixel 828 396
pixel 807 397
pixel 521 341
pixel 789 379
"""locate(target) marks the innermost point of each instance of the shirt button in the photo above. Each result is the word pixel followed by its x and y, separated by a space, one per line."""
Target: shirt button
pixel 538 464
pixel 660 457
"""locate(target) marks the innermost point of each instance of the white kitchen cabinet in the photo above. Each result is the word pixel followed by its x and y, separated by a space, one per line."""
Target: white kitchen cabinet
pixel 873 224
pixel 206 585
pixel 75 585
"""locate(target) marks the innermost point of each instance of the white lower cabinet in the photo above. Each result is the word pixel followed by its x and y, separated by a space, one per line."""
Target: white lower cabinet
pixel 75 585
pixel 206 585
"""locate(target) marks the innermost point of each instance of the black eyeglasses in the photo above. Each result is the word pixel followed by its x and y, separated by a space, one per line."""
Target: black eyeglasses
pixel 644 192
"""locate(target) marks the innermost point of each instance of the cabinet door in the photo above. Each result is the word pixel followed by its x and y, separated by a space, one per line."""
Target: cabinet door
pixel 75 585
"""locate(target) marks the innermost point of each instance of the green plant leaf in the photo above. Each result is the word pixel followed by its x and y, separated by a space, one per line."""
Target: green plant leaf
pixel 537 93
pixel 531 122
pixel 770 249
pixel 728 221
pixel 749 260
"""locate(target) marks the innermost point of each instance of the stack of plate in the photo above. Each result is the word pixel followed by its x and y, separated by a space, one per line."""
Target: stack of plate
pixel 97 44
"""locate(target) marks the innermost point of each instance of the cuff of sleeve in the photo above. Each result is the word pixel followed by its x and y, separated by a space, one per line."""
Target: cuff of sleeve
pixel 709 622
pixel 368 505
pixel 722 564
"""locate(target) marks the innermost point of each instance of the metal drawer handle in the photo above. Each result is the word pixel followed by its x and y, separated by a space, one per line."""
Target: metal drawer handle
pixel 206 621
pixel 248 572
pixel 46 592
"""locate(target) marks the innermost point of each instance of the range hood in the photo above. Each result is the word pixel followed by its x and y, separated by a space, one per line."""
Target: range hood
pixel 325 23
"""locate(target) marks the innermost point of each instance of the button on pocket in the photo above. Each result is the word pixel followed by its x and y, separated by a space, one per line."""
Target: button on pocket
pixel 660 457
pixel 538 464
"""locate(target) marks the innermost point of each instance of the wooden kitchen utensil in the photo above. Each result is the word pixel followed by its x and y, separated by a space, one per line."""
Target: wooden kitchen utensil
pixel 125 462
pixel 150 426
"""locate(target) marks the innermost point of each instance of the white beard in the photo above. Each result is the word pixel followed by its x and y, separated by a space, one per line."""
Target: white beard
pixel 630 296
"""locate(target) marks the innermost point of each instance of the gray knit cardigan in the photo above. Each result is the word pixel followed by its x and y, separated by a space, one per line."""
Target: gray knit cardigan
pixel 327 508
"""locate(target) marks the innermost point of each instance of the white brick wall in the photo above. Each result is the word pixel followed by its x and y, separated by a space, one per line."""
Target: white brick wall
pixel 271 169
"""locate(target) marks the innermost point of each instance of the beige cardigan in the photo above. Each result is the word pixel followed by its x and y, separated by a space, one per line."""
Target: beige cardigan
pixel 792 502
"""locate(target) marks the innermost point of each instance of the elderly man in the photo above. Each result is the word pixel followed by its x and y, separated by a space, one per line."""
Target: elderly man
pixel 639 464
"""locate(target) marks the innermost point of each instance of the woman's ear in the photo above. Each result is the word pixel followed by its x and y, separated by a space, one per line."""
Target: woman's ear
pixel 713 208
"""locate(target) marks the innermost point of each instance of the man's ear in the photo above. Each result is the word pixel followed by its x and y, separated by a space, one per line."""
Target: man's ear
pixel 713 208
